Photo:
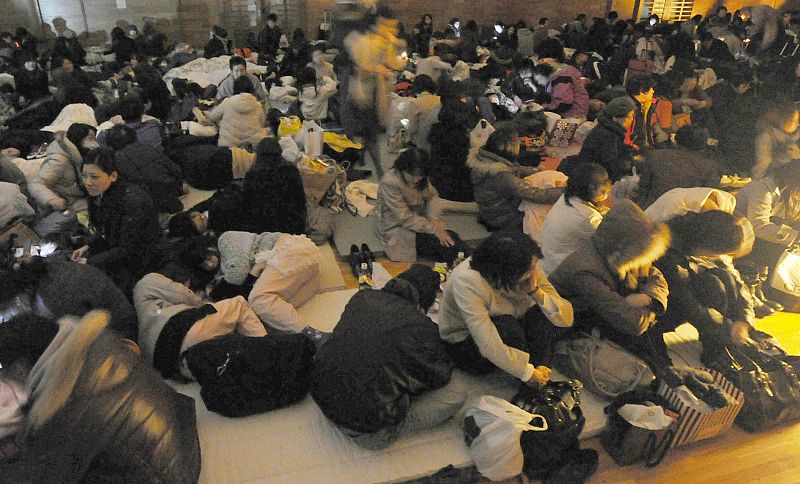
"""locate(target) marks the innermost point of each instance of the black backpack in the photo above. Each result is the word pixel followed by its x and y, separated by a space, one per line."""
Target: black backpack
pixel 241 375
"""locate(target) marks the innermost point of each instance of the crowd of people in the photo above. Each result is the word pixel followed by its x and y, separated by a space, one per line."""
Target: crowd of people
pixel 96 155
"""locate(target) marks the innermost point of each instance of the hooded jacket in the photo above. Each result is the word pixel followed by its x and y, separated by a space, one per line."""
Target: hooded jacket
pixel 99 413
pixel 499 189
pixel 605 145
pixel 58 175
pixel 598 276
pixel 382 353
pixel 569 96
pixel 240 119
pixel 149 168
pixel 403 211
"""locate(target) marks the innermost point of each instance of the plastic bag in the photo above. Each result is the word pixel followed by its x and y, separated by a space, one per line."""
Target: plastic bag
pixel 289 126
pixel 313 138
pixel 492 430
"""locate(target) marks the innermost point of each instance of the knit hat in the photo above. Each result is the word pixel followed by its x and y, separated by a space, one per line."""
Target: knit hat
pixel 620 107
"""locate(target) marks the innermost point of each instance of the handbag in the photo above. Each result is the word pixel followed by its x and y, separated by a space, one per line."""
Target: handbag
pixel 770 385
pixel 786 275
pixel 559 404
pixel 563 132
pixel 628 444
pixel 241 375
pixel 492 430
pixel 605 367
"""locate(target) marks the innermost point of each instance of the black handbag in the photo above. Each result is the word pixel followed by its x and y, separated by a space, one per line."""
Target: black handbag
pixel 559 403
pixel 241 375
pixel 770 385
pixel 628 444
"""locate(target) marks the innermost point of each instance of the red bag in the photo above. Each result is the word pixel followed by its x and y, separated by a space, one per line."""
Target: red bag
pixel 640 67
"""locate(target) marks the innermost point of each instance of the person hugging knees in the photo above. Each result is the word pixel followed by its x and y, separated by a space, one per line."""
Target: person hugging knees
pixel 314 94
pixel 409 213
pixel 384 373
pixel 499 310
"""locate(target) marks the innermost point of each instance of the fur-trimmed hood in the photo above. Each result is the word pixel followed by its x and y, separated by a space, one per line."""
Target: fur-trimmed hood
pixel 483 164
pixel 628 239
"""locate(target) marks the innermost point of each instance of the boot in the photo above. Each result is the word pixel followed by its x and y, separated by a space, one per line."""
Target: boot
pixel 761 309
pixel 763 277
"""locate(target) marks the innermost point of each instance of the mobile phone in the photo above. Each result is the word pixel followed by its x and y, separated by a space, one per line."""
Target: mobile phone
pixel 35 249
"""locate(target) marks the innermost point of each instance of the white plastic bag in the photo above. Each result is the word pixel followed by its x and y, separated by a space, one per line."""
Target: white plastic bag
pixel 496 450
pixel 313 138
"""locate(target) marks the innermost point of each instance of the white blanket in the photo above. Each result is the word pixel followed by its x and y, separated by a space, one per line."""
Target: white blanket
pixel 206 71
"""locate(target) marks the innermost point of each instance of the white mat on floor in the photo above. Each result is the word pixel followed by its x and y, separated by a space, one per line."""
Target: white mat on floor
pixel 298 445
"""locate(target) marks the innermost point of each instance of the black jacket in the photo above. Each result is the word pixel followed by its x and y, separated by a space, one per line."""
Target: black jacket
pixel 273 200
pixel 269 39
pixel 146 166
pixel 382 352
pixel 605 145
pixel 32 85
pixel 678 167
pixel 215 48
pixel 126 229
pixel 71 288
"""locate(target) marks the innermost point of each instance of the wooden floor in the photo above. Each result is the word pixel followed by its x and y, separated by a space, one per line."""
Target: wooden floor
pixel 737 457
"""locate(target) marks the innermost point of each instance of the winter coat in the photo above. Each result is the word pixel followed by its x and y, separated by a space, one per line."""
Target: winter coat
pixel 605 145
pixel 469 302
pixel 240 119
pixel 69 288
pixel 126 227
pixel 32 85
pixel 314 99
pixel 100 413
pixel 216 47
pixel 273 200
pixel 598 276
pixel 760 201
pixel 13 204
pixel 225 87
pixel 499 189
pixel 647 134
pixel 566 228
pixel 382 352
pixel 569 96
pixel 525 42
pixel 148 130
pixel 157 299
pixel 680 201
pixel 150 169
pixel 666 169
pixel 268 39
pixel 433 67
pixel 59 175
pixel 774 147
pixel 403 211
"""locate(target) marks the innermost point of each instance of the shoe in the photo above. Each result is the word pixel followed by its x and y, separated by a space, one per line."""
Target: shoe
pixel 367 256
pixel 355 259
pixel 581 465
pixel 354 174
pixel 763 276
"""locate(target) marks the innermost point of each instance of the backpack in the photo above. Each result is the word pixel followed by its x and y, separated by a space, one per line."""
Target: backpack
pixel 245 375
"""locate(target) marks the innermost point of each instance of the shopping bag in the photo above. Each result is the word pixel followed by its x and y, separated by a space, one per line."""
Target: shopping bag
pixel 786 275
pixel 313 138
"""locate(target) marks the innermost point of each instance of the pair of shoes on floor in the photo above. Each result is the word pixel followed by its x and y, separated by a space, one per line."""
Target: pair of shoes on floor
pixel 581 464
pixel 360 256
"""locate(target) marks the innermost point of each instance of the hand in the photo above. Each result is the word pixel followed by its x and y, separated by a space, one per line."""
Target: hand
pixel 639 300
pixel 57 204
pixel 443 235
pixel 740 332
pixel 540 376
pixel 79 254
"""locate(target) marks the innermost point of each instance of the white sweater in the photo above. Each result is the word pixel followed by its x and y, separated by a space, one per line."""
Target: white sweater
pixel 469 303
pixel 565 229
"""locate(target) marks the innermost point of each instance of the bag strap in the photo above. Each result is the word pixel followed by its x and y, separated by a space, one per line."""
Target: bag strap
pixel 593 378
pixel 657 454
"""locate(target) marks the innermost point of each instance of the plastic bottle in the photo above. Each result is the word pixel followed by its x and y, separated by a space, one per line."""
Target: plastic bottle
pixel 364 277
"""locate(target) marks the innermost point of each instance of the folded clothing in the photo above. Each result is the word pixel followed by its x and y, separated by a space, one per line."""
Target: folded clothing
pixel 697 381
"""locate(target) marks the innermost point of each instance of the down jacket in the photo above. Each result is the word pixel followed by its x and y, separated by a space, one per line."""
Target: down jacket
pixel 240 119
pixel 500 188
pixel 58 175
pixel 382 352
pixel 314 99
pixel 149 168
pixel 99 413
pixel 598 276
pixel 605 145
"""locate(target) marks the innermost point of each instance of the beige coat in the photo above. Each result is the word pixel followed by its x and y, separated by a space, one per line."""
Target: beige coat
pixel 58 176
pixel 240 119
pixel 402 212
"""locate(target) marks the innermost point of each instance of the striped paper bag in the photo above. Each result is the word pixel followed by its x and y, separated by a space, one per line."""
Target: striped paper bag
pixel 694 425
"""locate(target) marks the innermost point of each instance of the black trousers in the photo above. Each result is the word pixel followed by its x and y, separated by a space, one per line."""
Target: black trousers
pixel 428 247
pixel 534 334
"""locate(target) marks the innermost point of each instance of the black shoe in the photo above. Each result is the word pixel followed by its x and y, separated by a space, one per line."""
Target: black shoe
pixel 354 174
pixel 581 465
pixel 368 256
pixel 355 259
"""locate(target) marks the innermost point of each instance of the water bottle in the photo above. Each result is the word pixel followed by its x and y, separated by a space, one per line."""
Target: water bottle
pixel 459 259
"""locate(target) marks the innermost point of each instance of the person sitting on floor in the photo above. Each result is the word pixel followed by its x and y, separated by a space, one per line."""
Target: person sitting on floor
pixel 314 94
pixel 384 373
pixel 96 412
pixel 500 311
pixel 241 117
pixel 605 143
pixel 704 287
pixel 148 129
pixel 238 66
pixel 409 221
pixel 576 215
pixel 124 218
pixel 613 285
pixel 498 181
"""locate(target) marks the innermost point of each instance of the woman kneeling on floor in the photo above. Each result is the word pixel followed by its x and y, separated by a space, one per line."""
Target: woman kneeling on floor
pixel 384 373
pixel 409 223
